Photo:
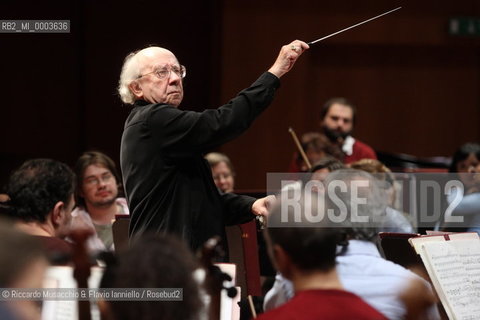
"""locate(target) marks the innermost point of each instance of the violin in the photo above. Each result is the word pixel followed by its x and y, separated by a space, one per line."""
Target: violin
pixel 81 272
pixel 215 278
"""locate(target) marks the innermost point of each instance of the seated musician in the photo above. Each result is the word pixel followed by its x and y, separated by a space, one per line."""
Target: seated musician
pixel 23 265
pixel 222 171
pixel 98 186
pixel 360 267
pixel 395 221
pixel 153 261
pixel 316 146
pixel 41 202
pixel 337 122
pixel 465 167
pixel 319 294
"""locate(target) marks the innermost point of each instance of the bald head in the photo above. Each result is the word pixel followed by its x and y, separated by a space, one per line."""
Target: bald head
pixel 147 57
pixel 152 74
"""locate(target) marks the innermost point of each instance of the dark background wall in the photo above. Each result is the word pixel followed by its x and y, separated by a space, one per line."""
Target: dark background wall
pixel 59 90
pixel 417 88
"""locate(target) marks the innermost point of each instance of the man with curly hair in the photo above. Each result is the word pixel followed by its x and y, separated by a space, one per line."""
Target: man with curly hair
pixel 41 202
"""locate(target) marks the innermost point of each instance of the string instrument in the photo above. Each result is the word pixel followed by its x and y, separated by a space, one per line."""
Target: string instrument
pixel 214 276
pixel 299 148
pixel 81 271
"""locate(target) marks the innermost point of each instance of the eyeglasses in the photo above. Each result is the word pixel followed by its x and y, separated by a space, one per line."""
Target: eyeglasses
pixel 95 181
pixel 225 176
pixel 164 72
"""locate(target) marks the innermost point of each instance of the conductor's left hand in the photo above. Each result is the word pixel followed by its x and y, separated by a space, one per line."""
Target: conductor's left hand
pixel 262 206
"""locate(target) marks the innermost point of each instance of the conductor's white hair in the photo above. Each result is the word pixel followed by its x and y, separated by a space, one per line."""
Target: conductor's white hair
pixel 130 72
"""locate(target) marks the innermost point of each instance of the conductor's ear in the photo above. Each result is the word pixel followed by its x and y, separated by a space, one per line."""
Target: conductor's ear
pixel 136 89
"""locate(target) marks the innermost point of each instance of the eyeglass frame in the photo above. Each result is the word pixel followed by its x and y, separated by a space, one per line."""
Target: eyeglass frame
pixel 223 175
pixel 95 181
pixel 182 72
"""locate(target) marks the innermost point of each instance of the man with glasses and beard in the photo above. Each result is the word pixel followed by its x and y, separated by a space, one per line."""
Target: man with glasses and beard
pixel 98 186
pixel 337 119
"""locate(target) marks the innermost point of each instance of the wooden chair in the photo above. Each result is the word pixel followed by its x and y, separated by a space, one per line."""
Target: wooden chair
pixel 120 231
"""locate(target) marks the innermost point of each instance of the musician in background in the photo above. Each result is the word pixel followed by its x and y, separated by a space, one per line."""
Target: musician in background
pixel 466 163
pixel 337 121
pixel 305 254
pixel 98 201
pixel 316 146
pixel 466 166
pixel 361 268
pixel 222 171
pixel 395 221
pixel 153 261
pixel 41 201
pixel 23 265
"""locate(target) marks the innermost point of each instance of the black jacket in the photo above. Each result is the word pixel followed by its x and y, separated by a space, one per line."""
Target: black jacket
pixel 168 183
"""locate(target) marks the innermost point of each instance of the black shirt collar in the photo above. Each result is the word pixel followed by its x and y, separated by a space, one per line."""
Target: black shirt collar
pixel 141 103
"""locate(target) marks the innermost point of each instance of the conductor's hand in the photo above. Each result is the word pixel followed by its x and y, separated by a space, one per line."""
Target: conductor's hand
pixel 261 207
pixel 287 57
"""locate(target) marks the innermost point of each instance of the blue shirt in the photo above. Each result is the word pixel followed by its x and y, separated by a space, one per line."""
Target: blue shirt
pixel 364 272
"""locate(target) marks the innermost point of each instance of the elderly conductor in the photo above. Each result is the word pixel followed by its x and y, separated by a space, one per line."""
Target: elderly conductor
pixel 168 183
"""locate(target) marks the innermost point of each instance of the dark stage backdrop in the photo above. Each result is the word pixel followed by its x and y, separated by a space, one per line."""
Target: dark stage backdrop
pixel 59 90
pixel 416 87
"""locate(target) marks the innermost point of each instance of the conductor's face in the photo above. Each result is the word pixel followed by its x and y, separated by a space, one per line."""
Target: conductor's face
pixel 160 79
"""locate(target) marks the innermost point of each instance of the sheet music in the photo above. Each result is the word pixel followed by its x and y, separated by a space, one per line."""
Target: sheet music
pixel 236 306
pixel 59 277
pixel 417 242
pixel 227 306
pixel 62 277
pixel 454 267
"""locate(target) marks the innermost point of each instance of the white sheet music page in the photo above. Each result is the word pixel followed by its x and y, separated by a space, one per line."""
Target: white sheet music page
pixel 454 267
pixel 62 277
